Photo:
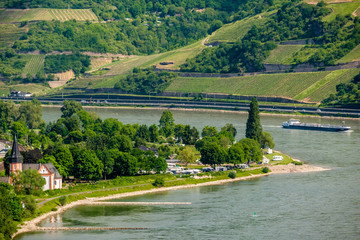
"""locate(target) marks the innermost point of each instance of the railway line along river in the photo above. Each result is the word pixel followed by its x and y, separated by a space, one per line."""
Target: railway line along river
pixel 314 205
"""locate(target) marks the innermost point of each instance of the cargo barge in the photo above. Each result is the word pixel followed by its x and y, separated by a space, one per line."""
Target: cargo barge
pixel 296 124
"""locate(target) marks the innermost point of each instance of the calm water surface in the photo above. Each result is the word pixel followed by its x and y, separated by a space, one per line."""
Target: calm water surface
pixel 322 205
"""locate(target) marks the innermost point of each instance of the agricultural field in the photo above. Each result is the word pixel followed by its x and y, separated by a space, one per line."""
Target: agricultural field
pixel 353 55
pixel 321 83
pixel 233 32
pixel 10 33
pixel 285 85
pixel 19 15
pixel 99 62
pixel 330 87
pixel 34 64
pixel 342 9
pixel 69 14
pixel 282 54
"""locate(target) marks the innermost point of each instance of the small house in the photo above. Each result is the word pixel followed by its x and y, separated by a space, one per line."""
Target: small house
pixel 265 160
pixel 269 151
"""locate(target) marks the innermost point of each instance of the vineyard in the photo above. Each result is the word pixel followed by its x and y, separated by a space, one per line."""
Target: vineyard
pixel 34 64
pixel 330 87
pixel 287 85
pixel 10 33
pixel 282 54
pixel 353 55
pixel 342 9
pixel 97 63
pixel 236 31
pixel 37 14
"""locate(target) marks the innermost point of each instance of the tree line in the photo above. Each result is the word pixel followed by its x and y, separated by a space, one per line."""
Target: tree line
pixel 145 81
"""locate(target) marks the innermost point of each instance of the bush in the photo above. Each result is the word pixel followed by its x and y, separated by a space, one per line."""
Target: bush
pixel 54 209
pixel 232 175
pixel 297 163
pixel 62 200
pixel 265 170
pixel 159 182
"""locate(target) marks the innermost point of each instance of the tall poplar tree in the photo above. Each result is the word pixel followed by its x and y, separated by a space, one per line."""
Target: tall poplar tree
pixel 253 126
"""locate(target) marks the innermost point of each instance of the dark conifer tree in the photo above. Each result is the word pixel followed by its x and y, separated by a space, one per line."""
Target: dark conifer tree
pixel 253 125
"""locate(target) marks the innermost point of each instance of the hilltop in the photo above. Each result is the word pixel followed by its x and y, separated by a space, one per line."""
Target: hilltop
pixel 297 50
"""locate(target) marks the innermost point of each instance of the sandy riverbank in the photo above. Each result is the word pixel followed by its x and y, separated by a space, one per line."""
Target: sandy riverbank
pixel 30 226
pixel 211 110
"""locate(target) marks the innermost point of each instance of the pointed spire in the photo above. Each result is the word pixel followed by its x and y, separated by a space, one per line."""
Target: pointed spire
pixel 15 156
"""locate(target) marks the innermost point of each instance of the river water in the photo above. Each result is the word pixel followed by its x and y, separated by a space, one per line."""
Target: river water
pixel 318 205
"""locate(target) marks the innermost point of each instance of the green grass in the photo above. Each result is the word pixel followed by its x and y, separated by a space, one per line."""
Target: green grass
pixel 351 56
pixel 286 159
pixel 282 54
pixel 236 31
pixel 33 88
pixel 341 9
pixel 10 33
pixel 330 87
pixel 34 64
pixel 285 85
pixel 19 15
pixel 319 84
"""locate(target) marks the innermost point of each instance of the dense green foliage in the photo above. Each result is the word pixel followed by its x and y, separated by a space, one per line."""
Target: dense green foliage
pixel 145 81
pixel 253 125
pixel 346 93
pixel 245 56
pixel 61 63
pixel 10 62
pixel 333 40
pixel 11 211
pixel 143 35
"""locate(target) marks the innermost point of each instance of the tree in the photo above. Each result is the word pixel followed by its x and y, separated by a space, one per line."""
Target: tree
pixel 124 164
pixel 28 182
pixel 87 165
pixel 31 113
pixel 187 156
pixel 154 133
pixel 251 149
pixel 10 211
pixel 236 154
pixel 8 114
pixel 253 126
pixel 230 129
pixel 120 142
pixel 166 123
pixel 70 107
pixel 209 131
pixel 65 159
pixel 213 154
pixel 266 140
pixel 143 133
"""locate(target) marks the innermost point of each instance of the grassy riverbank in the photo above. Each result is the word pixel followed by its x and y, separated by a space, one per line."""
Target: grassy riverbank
pixel 82 198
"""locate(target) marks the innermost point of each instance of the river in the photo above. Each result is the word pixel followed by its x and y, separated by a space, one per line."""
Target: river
pixel 318 205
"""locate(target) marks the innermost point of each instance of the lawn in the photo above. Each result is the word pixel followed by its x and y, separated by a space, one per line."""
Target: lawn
pixel 36 89
pixel 282 54
pixel 285 84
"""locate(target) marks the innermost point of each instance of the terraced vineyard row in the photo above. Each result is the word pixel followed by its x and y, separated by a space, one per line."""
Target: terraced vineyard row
pixel 286 85
pixel 34 65
pixel 46 14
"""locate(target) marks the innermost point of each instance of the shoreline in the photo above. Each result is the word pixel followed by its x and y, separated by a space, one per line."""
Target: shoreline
pixel 210 110
pixel 31 226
